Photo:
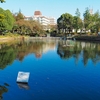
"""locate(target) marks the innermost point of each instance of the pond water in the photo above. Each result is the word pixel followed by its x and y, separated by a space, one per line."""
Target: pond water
pixel 59 70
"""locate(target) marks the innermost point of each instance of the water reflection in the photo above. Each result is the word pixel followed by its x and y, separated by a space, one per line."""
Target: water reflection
pixel 7 55
pixel 83 50
pixel 3 89
pixel 23 85
pixel 19 49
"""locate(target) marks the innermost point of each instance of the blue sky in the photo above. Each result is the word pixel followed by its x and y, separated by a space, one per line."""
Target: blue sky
pixel 53 8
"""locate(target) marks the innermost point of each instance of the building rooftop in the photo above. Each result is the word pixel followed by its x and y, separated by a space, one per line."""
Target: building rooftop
pixel 37 13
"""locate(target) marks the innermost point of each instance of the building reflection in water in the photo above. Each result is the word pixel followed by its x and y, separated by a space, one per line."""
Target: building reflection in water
pixel 19 49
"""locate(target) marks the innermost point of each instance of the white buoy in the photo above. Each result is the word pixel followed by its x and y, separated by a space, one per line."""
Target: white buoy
pixel 23 77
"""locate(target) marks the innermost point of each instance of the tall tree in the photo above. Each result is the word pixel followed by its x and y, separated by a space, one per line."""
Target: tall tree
pixel 96 22
pixel 77 13
pixel 87 19
pixel 77 21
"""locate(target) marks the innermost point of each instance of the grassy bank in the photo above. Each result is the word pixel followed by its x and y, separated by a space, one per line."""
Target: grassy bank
pixel 10 37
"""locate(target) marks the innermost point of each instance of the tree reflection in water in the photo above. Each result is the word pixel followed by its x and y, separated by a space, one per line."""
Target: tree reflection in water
pixel 19 49
pixel 3 89
pixel 86 50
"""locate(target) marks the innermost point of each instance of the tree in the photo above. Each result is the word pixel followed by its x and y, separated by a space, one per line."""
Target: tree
pixel 59 24
pixel 77 21
pixel 87 19
pixel 96 22
pixel 7 20
pixel 2 17
pixel 77 13
pixel 65 22
pixel 92 21
pixel 2 1
pixel 18 16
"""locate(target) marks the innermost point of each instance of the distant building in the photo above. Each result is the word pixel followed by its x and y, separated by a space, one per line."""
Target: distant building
pixel 45 21
pixel 52 21
pixel 37 13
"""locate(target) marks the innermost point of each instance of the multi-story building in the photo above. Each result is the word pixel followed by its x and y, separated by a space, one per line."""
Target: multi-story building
pixel 52 20
pixel 42 19
pixel 45 21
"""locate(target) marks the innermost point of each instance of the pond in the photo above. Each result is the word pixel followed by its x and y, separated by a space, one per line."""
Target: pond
pixel 59 70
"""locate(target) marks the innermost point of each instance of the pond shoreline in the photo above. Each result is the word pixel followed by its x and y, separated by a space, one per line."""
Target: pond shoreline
pixel 79 38
pixel 88 38
pixel 25 37
pixel 8 39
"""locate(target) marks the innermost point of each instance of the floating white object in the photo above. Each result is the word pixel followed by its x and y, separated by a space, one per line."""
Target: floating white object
pixel 23 77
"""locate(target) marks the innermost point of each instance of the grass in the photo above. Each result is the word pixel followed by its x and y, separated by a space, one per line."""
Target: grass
pixel 9 37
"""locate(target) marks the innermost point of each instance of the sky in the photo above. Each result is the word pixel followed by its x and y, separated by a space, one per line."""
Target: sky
pixel 50 8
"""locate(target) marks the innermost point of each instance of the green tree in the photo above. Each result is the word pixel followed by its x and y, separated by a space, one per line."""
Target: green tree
pixel 96 22
pixel 7 56
pixel 7 20
pixel 60 24
pixel 87 19
pixel 2 17
pixel 65 22
pixel 77 13
pixel 77 21
pixel 2 1
pixel 92 21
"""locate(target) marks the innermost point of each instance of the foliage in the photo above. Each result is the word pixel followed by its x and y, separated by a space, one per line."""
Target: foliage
pixel 87 19
pixel 91 21
pixel 90 51
pixel 7 56
pixel 64 22
pixel 77 21
pixel 18 16
pixel 2 1
pixel 77 13
pixel 28 27
pixel 7 20
pixel 2 17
